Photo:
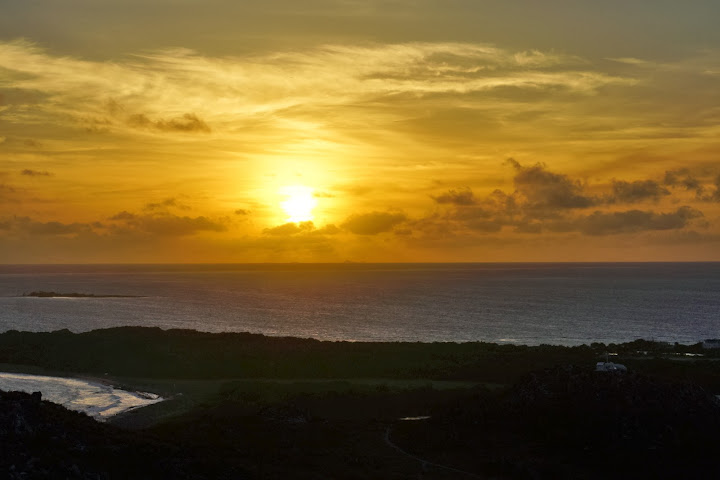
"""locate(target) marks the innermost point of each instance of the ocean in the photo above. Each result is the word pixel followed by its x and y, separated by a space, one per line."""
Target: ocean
pixel 531 304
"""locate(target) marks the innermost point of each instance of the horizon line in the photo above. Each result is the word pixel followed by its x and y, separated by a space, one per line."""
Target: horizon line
pixel 510 262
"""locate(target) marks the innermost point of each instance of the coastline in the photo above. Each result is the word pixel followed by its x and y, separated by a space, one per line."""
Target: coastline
pixel 273 407
pixel 97 397
pixel 149 359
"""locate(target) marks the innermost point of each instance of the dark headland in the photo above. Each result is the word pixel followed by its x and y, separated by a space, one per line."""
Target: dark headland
pixel 43 294
pixel 245 405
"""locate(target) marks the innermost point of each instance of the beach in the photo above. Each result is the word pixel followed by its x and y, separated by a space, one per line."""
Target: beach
pixel 98 399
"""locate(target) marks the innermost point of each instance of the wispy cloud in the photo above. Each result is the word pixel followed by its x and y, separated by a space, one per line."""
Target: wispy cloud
pixel 380 96
pixel 188 122
pixel 159 89
pixel 410 137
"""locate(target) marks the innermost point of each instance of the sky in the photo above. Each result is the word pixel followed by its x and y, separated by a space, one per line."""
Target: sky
pixel 365 131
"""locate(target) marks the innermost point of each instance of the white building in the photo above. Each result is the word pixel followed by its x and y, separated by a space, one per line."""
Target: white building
pixel 610 367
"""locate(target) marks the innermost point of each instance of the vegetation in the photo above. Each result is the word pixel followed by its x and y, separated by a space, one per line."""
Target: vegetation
pixel 188 354
pixel 249 406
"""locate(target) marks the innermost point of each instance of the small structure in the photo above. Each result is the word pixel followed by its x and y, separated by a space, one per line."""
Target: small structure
pixel 711 343
pixel 610 367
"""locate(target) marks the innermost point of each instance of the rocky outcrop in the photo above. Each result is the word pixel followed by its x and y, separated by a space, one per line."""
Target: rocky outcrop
pixel 39 439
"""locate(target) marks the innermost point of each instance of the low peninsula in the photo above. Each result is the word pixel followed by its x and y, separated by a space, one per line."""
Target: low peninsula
pixel 43 294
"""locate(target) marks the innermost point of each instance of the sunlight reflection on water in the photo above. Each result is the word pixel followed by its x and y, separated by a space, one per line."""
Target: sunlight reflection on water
pixel 527 304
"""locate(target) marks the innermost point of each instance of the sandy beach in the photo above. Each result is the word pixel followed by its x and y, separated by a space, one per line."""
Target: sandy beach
pixel 94 396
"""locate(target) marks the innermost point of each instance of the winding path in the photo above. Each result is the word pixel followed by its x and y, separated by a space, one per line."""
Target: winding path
pixel 423 461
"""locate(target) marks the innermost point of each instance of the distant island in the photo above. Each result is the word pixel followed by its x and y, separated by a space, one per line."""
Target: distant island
pixel 44 294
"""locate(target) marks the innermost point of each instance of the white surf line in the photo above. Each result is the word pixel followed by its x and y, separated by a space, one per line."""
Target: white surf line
pixel 423 461
pixel 98 399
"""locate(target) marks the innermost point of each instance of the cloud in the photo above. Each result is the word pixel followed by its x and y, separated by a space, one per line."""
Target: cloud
pixel 487 226
pixel 226 91
pixel 716 194
pixel 503 203
pixel 539 193
pixel 329 229
pixel 168 202
pixel 305 228
pixel 56 228
pixel 532 226
pixel 372 223
pixel 290 228
pixel 632 221
pixel 631 61
pixel 35 173
pixel 706 189
pixel 683 178
pixel 124 215
pixel 166 224
pixel 543 189
pixel 548 201
pixel 456 197
pixel 496 204
pixel 173 225
pixel 188 122
pixel 338 92
pixel 637 191
pixel 598 223
pixel 26 225
pixel 339 114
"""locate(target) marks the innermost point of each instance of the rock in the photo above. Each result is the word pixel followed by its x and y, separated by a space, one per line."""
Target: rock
pixel 39 439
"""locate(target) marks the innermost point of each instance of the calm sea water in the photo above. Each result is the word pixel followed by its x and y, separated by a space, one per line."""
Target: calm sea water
pixel 564 304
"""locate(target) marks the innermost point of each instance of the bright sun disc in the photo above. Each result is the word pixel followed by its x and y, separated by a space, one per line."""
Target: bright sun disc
pixel 299 203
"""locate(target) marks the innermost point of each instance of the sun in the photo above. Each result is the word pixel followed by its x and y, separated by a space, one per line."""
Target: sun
pixel 299 203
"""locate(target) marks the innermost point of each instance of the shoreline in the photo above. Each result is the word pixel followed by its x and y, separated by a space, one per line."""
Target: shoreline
pixel 280 337
pixel 98 398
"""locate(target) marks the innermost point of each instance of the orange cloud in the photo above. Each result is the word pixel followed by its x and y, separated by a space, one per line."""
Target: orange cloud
pixel 372 223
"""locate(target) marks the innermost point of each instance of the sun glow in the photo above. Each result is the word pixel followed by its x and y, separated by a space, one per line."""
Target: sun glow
pixel 299 203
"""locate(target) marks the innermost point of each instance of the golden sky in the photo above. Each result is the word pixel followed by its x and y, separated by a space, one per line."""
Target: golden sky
pixel 379 130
